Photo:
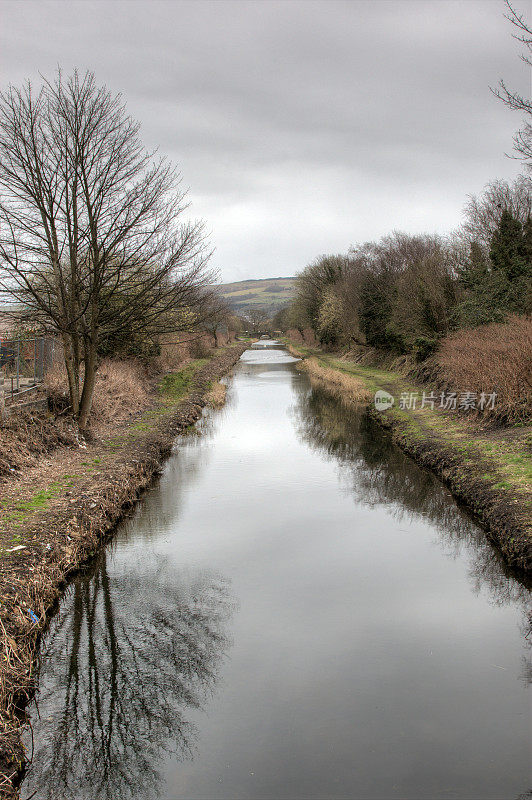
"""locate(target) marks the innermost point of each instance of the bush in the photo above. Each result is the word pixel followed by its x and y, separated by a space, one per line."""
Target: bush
pixel 200 347
pixel 424 346
pixel 491 358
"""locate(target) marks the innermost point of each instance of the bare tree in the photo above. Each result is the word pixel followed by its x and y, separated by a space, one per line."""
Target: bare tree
pixel 219 318
pixel 523 137
pixel 483 212
pixel 92 237
pixel 256 319
pixel 119 681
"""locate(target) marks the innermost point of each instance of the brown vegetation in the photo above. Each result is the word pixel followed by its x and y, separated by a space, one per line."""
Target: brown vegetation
pixel 490 358
pixel 347 388
pixel 121 391
pixel 216 395
pixel 176 349
pixel 26 437
pixel 305 336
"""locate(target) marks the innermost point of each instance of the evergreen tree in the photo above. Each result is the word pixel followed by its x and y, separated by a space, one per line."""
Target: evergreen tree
pixel 474 274
pixel 486 291
pixel 527 242
pixel 507 252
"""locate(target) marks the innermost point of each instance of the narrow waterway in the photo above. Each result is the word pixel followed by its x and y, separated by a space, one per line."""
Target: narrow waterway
pixel 295 610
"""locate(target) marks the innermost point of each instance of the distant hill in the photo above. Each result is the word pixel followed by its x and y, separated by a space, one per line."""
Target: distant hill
pixel 269 294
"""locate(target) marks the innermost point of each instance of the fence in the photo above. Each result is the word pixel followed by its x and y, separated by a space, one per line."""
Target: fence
pixel 23 363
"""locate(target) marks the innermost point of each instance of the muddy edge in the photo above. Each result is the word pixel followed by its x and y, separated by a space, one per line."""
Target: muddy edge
pixel 505 520
pixel 501 517
pixel 36 581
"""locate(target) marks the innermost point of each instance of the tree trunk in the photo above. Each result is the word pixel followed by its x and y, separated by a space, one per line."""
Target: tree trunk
pixel 2 398
pixel 72 370
pixel 89 382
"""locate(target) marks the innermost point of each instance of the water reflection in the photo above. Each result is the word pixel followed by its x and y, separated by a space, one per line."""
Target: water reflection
pixel 376 472
pixel 265 357
pixel 124 661
pixel 179 477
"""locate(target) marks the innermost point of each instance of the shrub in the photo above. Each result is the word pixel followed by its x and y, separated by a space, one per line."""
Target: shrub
pixel 200 347
pixel 424 346
pixel 491 358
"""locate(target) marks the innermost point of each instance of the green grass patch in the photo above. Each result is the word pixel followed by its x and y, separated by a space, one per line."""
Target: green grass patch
pixel 114 443
pixel 21 510
pixel 176 384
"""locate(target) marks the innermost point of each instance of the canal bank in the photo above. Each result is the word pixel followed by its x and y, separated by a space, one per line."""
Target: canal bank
pixel 48 535
pixel 489 469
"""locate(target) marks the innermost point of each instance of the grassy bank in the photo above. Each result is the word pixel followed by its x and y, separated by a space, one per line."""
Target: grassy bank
pixel 487 467
pixel 55 516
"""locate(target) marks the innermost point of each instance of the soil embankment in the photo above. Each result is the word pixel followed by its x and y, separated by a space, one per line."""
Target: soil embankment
pixel 487 467
pixel 56 515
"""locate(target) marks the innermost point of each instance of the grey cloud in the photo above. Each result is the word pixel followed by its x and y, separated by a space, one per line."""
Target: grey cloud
pixel 300 127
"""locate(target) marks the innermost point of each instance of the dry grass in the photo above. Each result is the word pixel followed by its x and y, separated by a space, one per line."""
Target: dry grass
pixel 294 351
pixel 216 395
pixel 174 354
pixel 121 391
pixel 348 388
pixel 26 437
pixel 178 349
pixel 491 358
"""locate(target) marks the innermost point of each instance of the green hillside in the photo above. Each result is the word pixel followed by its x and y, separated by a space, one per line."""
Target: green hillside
pixel 269 294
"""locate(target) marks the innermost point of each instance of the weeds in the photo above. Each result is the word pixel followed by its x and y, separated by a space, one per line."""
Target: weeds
pixel 346 386
pixel 216 395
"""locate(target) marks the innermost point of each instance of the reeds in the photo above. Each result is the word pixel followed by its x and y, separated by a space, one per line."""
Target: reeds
pixel 348 388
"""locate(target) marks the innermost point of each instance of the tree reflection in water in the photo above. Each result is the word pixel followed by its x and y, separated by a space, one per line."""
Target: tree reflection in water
pixel 376 472
pixel 125 659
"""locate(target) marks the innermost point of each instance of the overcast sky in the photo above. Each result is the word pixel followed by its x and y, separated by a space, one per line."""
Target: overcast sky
pixel 300 127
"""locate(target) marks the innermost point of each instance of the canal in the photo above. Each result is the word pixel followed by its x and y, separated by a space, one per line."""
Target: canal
pixel 295 610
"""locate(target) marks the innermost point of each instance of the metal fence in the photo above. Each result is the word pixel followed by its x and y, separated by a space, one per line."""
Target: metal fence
pixel 24 362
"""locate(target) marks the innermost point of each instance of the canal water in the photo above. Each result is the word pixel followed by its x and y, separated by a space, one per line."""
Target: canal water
pixel 295 610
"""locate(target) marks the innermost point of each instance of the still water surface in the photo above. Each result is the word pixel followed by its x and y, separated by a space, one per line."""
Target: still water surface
pixel 295 610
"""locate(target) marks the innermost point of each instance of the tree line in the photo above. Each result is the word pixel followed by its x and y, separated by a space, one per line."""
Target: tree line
pixel 405 292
